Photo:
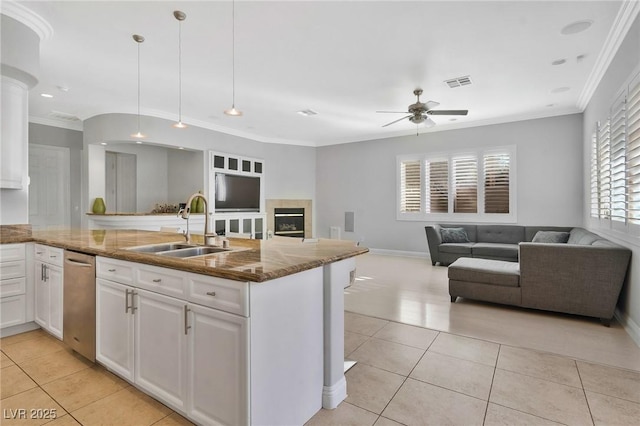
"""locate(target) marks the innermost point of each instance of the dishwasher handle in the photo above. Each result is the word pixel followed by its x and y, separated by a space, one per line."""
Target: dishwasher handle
pixel 78 263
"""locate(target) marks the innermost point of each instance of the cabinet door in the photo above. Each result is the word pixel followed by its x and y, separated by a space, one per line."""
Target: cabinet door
pixel 42 296
pixel 218 367
pixel 160 346
pixel 54 277
pixel 114 327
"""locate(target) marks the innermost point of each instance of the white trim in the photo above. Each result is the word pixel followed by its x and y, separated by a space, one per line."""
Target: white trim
pixel 26 16
pixel 629 325
pixel 625 18
pixel 335 394
pixel 401 253
pixel 71 125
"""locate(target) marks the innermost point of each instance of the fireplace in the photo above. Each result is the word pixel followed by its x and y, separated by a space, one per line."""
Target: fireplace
pixel 289 222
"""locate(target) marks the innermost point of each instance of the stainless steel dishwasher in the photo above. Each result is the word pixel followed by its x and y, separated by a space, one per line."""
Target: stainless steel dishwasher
pixel 79 316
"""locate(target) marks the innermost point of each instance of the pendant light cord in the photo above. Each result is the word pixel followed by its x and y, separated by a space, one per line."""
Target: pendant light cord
pixel 233 54
pixel 138 88
pixel 180 71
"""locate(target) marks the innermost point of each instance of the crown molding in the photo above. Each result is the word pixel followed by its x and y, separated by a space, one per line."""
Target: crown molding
pixel 26 16
pixel 56 123
pixel 626 16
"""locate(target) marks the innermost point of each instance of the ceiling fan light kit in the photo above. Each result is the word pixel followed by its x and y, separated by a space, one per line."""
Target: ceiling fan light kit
pixel 419 112
pixel 180 16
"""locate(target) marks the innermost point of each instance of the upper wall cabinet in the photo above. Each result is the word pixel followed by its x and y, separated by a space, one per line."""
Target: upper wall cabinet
pixel 234 163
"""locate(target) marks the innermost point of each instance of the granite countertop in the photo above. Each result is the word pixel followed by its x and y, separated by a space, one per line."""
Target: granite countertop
pixel 254 260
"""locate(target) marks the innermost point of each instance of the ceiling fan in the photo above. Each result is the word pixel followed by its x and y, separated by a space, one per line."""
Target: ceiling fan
pixel 420 112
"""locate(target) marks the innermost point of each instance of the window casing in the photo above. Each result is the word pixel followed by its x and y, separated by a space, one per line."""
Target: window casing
pixel 464 186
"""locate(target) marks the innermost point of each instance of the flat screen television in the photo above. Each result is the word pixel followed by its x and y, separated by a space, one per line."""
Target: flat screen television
pixel 237 193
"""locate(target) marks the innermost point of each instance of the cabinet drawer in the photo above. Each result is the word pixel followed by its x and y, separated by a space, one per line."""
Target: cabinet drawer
pixel 11 252
pixel 13 287
pixel 41 252
pixel 161 280
pixel 226 295
pixel 47 254
pixel 12 311
pixel 12 269
pixel 114 270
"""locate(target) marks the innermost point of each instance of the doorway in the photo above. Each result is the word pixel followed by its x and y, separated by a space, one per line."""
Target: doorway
pixel 121 182
pixel 49 187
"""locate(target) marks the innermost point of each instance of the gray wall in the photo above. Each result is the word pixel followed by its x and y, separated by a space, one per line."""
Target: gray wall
pixel 54 136
pixel 625 63
pixel 361 177
pixel 185 171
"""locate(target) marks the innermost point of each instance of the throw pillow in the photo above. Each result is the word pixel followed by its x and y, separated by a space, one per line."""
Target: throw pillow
pixel 454 235
pixel 550 237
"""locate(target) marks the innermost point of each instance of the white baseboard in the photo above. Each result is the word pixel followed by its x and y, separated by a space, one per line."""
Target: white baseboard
pixel 630 326
pixel 334 394
pixel 17 329
pixel 403 253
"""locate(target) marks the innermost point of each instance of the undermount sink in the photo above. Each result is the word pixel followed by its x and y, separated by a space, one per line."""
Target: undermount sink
pixel 193 251
pixel 155 248
pixel 178 250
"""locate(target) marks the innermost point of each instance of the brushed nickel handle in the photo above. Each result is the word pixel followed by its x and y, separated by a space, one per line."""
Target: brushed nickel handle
pixel 211 293
pixel 46 273
pixel 157 280
pixel 111 270
pixel 133 303
pixel 42 272
pixel 126 301
pixel 186 319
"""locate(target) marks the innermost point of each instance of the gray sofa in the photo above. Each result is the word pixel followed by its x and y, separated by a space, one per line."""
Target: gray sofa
pixel 583 276
pixel 497 242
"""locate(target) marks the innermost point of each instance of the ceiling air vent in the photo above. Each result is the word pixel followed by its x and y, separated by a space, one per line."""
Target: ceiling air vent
pixel 458 81
pixel 58 115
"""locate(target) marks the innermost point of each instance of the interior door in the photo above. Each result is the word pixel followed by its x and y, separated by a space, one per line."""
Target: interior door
pixel 49 188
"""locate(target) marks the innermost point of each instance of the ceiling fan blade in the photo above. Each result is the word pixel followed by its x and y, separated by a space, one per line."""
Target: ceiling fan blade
pixel 393 112
pixel 448 112
pixel 432 104
pixel 395 121
pixel 428 122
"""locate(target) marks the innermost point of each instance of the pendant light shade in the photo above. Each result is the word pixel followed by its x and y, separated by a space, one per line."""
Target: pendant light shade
pixel 139 40
pixel 180 16
pixel 233 111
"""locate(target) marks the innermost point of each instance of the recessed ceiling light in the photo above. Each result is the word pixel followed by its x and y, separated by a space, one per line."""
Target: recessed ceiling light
pixel 103 143
pixel 550 105
pixel 558 62
pixel 63 88
pixel 46 95
pixel 307 112
pixel 139 142
pixel 576 27
pixel 560 89
pixel 182 147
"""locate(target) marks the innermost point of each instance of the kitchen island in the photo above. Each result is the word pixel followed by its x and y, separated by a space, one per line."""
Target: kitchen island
pixel 253 335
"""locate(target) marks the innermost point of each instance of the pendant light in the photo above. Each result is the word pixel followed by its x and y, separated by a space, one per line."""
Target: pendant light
pixel 139 40
pixel 180 16
pixel 233 111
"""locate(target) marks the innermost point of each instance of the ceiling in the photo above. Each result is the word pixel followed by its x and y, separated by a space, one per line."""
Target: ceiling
pixel 342 59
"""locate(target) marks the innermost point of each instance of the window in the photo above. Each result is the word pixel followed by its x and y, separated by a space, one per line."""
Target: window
pixel 633 152
pixel 469 186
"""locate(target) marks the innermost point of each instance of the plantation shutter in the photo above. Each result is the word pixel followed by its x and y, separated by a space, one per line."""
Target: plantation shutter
pixel 437 186
pixel 618 163
pixel 465 171
pixel 496 183
pixel 410 199
pixel 633 152
pixel 604 160
pixel 595 194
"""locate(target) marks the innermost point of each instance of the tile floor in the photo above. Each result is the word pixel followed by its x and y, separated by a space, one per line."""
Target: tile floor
pixel 420 361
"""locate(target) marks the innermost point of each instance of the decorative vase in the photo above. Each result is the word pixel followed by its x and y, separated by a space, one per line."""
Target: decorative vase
pixel 200 205
pixel 194 205
pixel 98 206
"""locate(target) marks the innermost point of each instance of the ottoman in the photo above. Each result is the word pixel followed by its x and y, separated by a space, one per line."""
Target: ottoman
pixel 495 281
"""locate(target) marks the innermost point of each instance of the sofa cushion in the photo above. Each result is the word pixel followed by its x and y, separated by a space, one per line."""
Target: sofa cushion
pixel 506 234
pixel 485 271
pixel 456 248
pixel 531 231
pixel 469 228
pixel 550 237
pixel 454 235
pixel 582 236
pixel 508 251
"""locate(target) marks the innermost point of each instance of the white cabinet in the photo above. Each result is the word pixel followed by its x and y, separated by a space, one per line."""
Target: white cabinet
pixel 191 357
pixel 49 289
pixel 12 285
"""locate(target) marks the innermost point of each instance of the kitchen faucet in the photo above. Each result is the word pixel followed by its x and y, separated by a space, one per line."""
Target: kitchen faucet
pixel 209 237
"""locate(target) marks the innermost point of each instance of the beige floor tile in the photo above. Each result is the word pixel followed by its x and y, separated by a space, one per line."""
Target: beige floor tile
pixel 345 415
pixel 541 365
pixel 383 421
pixel 467 377
pixel 84 387
pixel 610 381
pixel 371 388
pixel 419 403
pixel 498 415
pixel 5 361
pixel 467 348
pixel 17 338
pixel 32 407
pixel 362 324
pixel 173 419
pixel 55 365
pixel 13 381
pixel 409 335
pixel 389 356
pixel 608 410
pixel 352 341
pixel 542 398
pixel 125 407
pixel 65 420
pixel 38 346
